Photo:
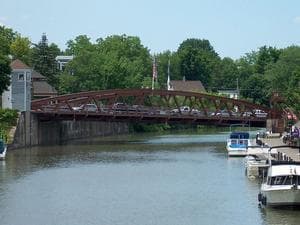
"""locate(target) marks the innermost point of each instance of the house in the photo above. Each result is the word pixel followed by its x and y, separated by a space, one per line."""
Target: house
pixel 185 85
pixel 230 93
pixel 40 87
pixel 62 60
pixel 25 85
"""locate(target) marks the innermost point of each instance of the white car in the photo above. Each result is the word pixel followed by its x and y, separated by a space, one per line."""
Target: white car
pixel 260 113
pixel 87 107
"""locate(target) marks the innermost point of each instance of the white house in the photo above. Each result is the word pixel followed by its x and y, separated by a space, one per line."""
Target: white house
pixel 62 60
pixel 230 93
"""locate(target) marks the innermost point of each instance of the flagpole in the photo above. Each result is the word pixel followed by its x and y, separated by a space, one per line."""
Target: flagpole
pixel 153 72
pixel 168 81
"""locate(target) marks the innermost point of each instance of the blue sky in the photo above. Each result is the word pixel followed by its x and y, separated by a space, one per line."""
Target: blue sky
pixel 233 27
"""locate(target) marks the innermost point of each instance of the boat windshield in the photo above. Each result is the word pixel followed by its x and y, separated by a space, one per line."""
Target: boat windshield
pixel 239 135
pixel 284 180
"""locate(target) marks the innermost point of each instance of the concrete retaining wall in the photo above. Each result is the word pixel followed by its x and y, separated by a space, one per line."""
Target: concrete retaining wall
pixel 31 131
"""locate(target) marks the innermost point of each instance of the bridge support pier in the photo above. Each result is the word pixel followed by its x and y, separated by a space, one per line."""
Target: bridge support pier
pixel 276 125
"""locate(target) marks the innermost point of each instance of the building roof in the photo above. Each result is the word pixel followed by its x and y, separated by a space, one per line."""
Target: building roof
pixel 18 65
pixel 42 88
pixel 64 57
pixel 37 76
pixel 187 85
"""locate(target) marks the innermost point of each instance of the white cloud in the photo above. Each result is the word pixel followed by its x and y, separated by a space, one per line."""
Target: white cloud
pixel 297 19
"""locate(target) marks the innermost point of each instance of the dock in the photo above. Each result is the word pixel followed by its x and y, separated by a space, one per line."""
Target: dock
pixel 258 163
pixel 289 152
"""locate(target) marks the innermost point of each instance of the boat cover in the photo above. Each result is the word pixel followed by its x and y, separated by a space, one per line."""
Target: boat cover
pixel 239 135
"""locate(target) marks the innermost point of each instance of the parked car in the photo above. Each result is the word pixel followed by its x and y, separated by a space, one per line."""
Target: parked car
pixel 260 113
pixel 88 107
pixel 223 112
pixel 120 106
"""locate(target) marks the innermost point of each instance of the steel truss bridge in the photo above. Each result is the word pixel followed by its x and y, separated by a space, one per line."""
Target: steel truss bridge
pixel 152 106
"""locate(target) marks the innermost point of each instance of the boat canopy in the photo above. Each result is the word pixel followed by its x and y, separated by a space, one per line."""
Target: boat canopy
pixel 239 135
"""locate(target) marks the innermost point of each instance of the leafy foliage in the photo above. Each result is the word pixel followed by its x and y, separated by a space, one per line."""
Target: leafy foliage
pixel 20 49
pixel 7 36
pixel 114 62
pixel 4 73
pixel 198 60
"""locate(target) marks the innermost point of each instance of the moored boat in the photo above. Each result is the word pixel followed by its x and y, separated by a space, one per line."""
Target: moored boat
pixel 3 149
pixel 282 184
pixel 237 143
pixel 256 165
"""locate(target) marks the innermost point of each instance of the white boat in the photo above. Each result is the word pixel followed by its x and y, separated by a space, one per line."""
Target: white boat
pixel 282 184
pixel 261 149
pixel 257 160
pixel 237 143
pixel 3 149
pixel 256 165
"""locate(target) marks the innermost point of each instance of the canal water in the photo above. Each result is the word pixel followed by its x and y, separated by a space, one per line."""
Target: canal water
pixel 177 179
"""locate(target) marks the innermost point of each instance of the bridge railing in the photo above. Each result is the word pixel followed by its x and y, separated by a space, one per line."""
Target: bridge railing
pixel 146 102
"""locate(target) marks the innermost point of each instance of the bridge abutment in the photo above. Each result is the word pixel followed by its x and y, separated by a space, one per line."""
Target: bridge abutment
pixel 32 131
pixel 276 125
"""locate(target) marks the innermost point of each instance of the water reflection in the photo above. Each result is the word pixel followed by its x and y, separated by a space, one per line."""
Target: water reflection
pixel 281 216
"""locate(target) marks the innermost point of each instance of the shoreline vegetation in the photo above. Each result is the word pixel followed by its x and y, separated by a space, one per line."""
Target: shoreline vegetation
pixel 169 128
pixel 8 121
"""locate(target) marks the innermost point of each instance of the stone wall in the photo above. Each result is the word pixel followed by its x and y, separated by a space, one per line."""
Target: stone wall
pixel 31 131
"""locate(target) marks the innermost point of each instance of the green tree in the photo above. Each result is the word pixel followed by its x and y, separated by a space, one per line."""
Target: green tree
pixel 4 72
pixel 113 62
pixel 256 89
pixel 20 49
pixel 6 38
pixel 227 76
pixel 283 76
pixel 246 66
pixel 43 60
pixel 198 60
pixel 126 61
pixel 80 44
pixel 82 73
pixel 265 57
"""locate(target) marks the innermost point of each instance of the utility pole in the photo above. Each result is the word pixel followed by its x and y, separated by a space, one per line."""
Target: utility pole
pixel 237 88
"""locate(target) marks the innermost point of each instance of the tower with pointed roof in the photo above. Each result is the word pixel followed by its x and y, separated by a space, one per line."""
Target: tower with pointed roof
pixel 18 95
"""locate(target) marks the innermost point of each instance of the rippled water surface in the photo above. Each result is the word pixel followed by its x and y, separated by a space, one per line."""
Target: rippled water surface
pixel 132 180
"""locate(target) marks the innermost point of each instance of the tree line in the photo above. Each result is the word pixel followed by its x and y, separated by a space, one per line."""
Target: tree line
pixel 121 61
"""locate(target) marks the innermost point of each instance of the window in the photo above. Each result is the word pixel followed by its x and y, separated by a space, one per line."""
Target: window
pixel 28 76
pixel 21 77
pixel 284 180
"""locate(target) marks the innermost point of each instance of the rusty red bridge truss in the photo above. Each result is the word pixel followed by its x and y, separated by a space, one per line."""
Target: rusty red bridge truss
pixel 152 106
